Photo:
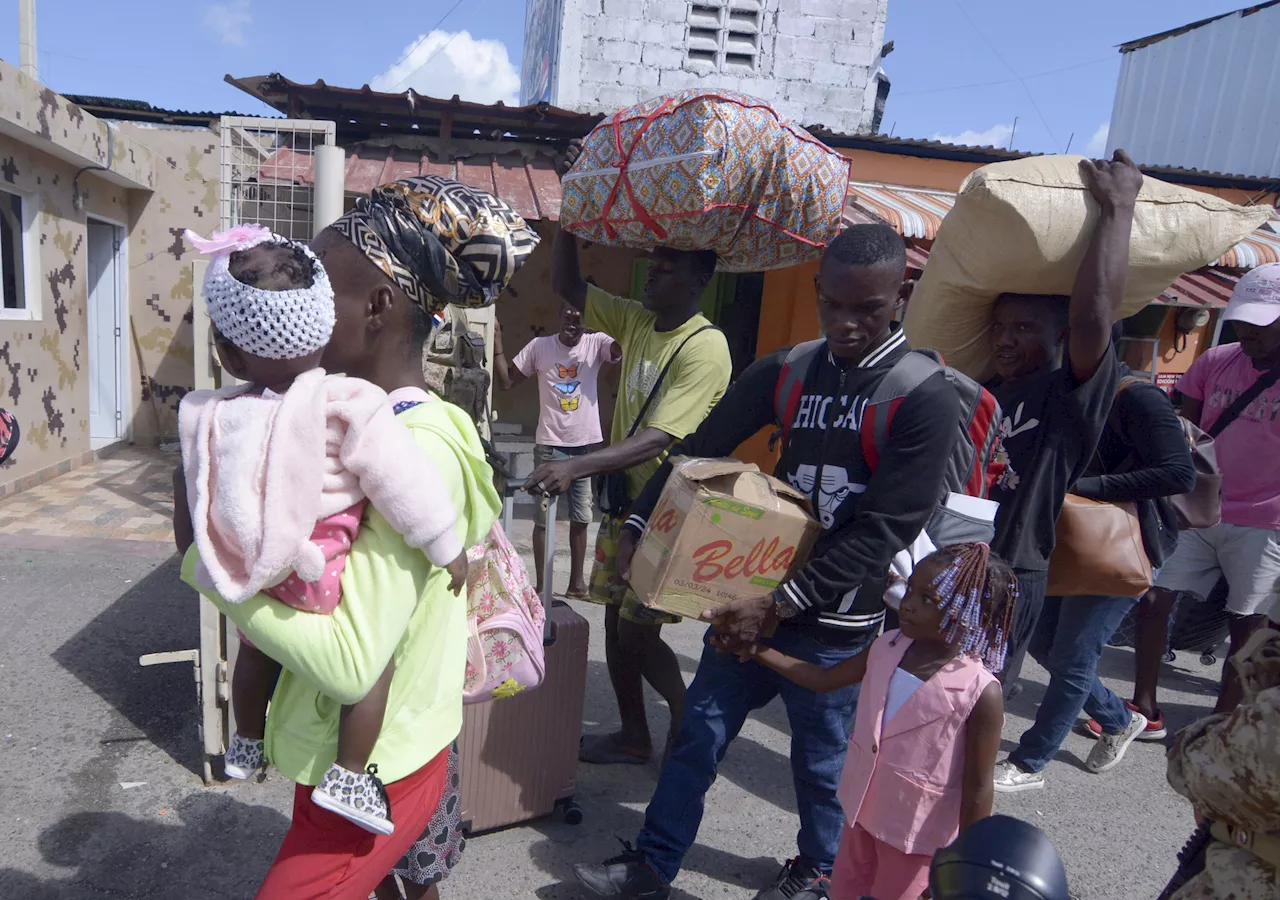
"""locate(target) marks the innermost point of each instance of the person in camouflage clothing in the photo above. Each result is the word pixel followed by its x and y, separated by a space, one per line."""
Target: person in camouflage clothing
pixel 1228 766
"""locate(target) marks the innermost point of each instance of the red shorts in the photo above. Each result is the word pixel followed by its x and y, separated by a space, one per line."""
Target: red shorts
pixel 325 856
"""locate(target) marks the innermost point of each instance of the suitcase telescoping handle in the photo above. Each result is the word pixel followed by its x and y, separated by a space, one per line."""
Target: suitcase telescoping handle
pixel 549 634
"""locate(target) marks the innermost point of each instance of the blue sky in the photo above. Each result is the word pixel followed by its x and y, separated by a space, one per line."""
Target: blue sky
pixel 961 69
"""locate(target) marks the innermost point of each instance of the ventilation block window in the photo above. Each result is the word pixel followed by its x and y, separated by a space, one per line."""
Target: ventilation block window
pixel 724 35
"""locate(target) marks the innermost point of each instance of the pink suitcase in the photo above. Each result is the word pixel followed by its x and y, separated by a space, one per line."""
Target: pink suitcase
pixel 519 755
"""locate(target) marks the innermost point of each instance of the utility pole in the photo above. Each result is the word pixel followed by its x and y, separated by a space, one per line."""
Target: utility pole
pixel 27 39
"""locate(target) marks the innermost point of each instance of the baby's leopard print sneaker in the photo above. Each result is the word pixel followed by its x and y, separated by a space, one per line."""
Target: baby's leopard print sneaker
pixel 359 797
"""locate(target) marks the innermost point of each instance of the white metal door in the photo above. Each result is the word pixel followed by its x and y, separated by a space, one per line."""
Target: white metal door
pixel 106 414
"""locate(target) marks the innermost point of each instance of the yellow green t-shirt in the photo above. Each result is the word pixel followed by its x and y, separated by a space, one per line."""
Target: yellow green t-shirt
pixel 395 605
pixel 696 382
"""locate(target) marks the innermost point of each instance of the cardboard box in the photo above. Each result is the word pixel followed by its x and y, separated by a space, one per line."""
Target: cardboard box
pixel 721 531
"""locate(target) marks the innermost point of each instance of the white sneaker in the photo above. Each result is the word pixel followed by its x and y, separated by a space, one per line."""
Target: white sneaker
pixel 1009 779
pixel 1109 750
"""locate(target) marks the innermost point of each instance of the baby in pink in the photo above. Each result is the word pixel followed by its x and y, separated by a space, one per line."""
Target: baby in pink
pixel 334 536
pixel 276 478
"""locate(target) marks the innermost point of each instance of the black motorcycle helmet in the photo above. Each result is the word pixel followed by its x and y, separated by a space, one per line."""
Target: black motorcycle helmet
pixel 999 858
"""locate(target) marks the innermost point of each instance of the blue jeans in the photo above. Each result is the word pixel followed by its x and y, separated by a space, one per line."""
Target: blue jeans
pixel 723 692
pixel 1068 642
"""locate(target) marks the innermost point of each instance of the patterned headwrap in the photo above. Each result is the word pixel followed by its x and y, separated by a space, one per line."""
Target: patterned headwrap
pixel 975 603
pixel 440 241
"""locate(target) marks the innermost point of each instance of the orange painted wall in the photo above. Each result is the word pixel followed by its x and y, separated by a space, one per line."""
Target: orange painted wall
pixel 788 315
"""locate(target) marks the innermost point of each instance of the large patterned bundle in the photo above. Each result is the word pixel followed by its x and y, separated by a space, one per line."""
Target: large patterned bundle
pixel 442 241
pixel 707 170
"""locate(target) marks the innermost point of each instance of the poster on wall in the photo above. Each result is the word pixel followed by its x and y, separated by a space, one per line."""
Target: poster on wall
pixel 1168 380
pixel 541 50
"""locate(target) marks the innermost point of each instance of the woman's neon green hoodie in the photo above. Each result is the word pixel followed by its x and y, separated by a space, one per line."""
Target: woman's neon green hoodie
pixel 394 604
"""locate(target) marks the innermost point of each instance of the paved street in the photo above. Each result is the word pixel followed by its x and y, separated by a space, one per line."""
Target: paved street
pixel 100 795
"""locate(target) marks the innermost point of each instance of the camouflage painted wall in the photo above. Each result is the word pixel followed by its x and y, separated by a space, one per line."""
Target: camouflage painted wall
pixel 529 309
pixel 161 286
pixel 43 363
pixel 34 114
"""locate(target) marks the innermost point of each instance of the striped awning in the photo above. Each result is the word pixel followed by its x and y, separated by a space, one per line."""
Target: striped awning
pixel 913 212
pixel 917 213
pixel 1263 246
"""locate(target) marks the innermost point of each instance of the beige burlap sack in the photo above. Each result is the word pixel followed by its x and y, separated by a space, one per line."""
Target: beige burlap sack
pixel 1023 227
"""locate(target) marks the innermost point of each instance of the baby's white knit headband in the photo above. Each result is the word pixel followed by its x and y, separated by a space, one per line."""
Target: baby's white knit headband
pixel 271 324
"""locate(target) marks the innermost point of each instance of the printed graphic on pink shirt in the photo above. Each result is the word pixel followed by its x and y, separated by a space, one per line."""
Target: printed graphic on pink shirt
pixel 569 413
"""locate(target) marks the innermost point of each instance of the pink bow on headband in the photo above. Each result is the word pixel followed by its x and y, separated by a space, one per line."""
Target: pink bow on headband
pixel 239 238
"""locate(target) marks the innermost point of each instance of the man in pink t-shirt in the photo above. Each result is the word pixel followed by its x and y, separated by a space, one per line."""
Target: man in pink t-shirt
pixel 1245 548
pixel 568 368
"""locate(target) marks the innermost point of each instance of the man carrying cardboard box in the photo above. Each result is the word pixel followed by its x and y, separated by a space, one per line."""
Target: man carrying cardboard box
pixel 831 608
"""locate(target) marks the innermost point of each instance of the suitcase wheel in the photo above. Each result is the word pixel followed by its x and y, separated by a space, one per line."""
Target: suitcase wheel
pixel 571 811
pixel 1207 659
pixel 1170 656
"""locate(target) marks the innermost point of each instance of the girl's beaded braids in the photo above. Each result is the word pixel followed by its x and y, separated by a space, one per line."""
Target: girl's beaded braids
pixel 977 593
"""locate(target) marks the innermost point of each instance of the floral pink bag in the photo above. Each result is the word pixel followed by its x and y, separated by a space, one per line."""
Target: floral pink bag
pixel 505 619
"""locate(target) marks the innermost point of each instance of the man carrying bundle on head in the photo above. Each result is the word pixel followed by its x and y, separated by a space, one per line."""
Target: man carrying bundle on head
pixel 675 366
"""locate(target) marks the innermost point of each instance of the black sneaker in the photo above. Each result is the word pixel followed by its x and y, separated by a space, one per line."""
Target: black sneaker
pixel 797 881
pixel 628 876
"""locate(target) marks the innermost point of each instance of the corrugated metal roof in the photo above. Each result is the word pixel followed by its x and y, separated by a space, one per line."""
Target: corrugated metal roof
pixel 362 112
pixel 525 179
pixel 1139 43
pixel 917 213
pixel 364 109
pixel 142 111
pixel 1207 100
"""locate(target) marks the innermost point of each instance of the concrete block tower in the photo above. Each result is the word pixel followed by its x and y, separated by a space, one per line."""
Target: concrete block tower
pixel 817 61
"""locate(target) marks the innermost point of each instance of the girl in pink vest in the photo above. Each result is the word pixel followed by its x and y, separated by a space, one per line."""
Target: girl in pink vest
pixel 927 731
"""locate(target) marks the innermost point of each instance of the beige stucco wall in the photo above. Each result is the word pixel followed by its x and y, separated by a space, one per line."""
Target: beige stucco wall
pixel 161 286
pixel 161 181
pixel 44 362
pixel 34 114
pixel 529 309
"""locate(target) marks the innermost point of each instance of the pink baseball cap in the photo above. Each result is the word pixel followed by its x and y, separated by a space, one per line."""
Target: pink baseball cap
pixel 1256 299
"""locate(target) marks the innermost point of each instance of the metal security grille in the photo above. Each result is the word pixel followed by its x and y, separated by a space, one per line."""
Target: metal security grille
pixel 267 168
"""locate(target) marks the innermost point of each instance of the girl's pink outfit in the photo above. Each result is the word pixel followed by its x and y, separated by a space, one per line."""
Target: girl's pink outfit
pixel 334 536
pixel 903 778
pixel 276 486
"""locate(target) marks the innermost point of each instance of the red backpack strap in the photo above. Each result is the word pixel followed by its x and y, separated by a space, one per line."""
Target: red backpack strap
pixel 906 375
pixel 983 431
pixel 790 388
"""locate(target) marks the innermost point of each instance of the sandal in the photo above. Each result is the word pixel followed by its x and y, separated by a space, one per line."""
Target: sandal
pixel 603 750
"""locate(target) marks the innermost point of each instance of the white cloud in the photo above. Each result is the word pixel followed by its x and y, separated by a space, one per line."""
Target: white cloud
pixel 1098 143
pixel 229 21
pixel 446 63
pixel 995 136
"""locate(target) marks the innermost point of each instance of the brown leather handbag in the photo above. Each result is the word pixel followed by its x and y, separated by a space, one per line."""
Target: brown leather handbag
pixel 1099 551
